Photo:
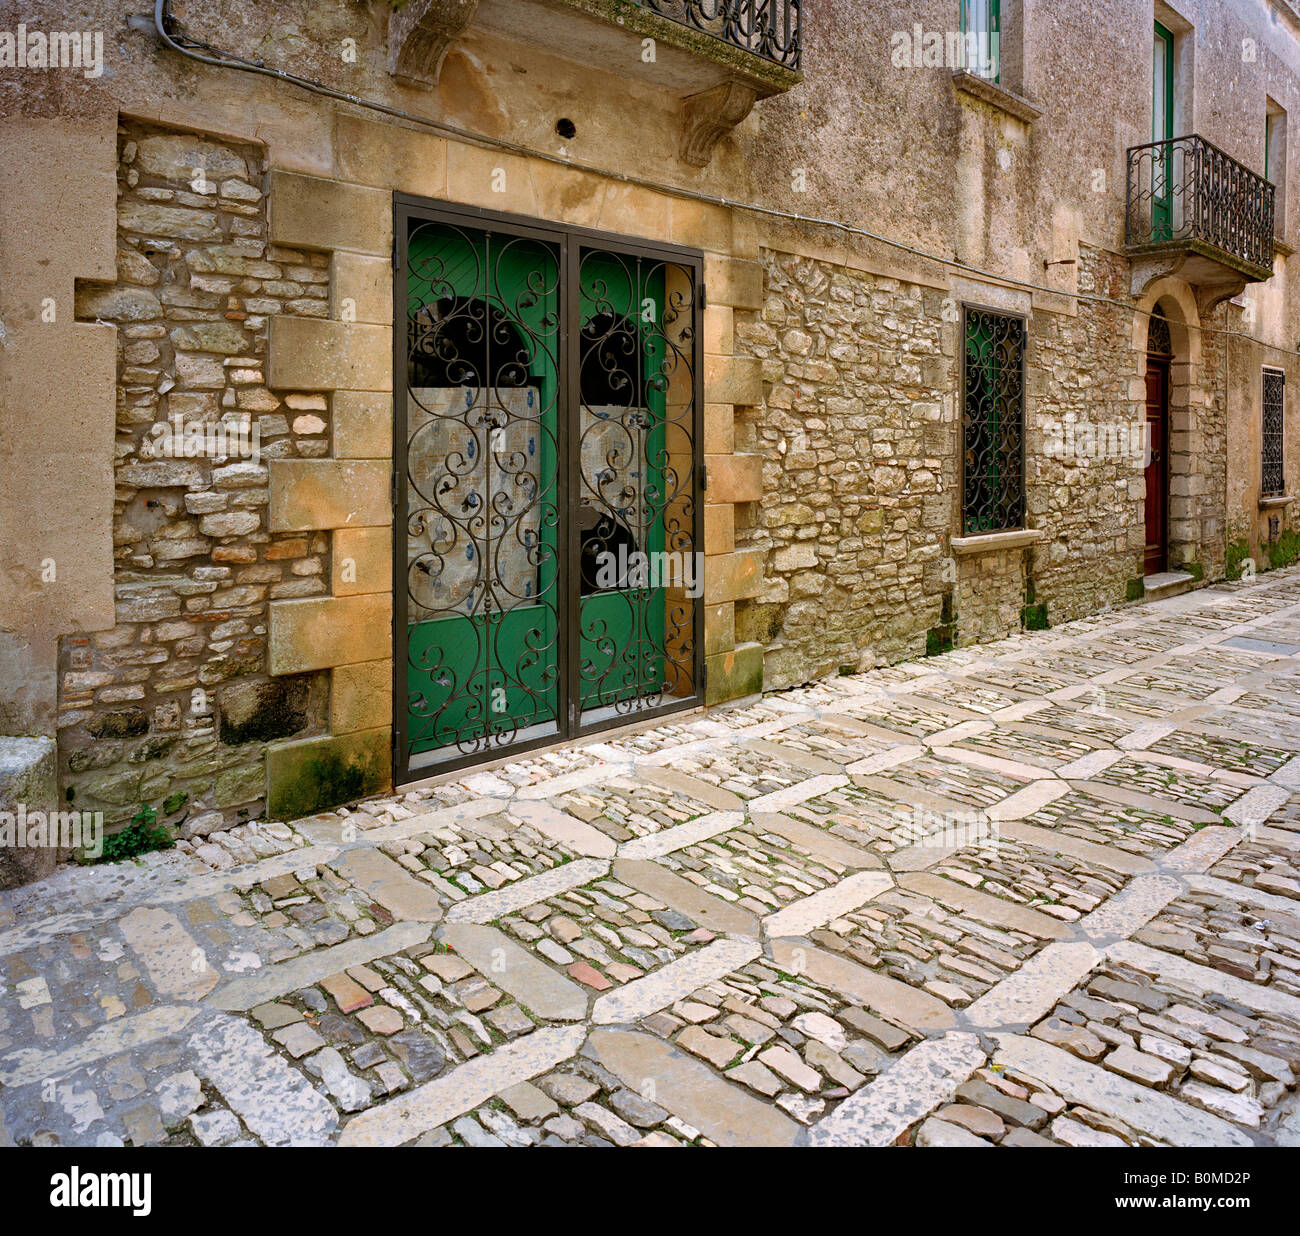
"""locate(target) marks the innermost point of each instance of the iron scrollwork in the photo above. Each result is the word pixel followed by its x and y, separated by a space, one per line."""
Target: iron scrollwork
pixel 768 28
pixel 1273 480
pixel 547 577
pixel 636 500
pixel 482 508
pixel 1187 189
pixel 993 420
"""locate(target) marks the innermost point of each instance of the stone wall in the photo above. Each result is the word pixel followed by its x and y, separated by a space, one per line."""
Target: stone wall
pixel 1084 480
pixel 1208 449
pixel 857 434
pixel 173 706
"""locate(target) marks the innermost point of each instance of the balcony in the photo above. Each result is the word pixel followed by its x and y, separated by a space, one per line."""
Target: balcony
pixel 718 56
pixel 1194 211
pixel 766 28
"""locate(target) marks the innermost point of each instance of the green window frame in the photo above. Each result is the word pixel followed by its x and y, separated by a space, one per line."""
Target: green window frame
pixel 1162 85
pixel 1162 130
pixel 981 21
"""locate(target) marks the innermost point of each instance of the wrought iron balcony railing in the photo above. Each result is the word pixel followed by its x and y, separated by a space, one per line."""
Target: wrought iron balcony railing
pixel 1188 192
pixel 767 28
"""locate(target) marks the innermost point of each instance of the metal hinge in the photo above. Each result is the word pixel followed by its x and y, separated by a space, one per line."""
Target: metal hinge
pixel 704 477
pixel 704 300
pixel 392 489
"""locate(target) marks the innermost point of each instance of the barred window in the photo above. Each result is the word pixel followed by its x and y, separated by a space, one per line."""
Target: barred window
pixel 993 421
pixel 1273 481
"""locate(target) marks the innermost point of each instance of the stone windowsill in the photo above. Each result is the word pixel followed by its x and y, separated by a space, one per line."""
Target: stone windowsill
pixel 1280 246
pixel 995 542
pixel 1274 500
pixel 998 96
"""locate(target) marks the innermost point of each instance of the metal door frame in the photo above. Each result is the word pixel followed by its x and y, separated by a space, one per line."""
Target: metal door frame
pixel 569 242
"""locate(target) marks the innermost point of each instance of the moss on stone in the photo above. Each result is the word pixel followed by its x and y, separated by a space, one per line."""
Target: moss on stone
pixel 319 773
pixel 734 675
pixel 263 711
pixel 122 723
pixel 940 639
pixel 1236 554
pixel 1285 550
pixel 1034 617
pixel 1135 590
pixel 174 802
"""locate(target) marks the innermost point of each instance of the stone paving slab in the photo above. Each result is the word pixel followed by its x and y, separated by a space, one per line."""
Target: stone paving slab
pixel 883 1110
pixel 1162 1117
pixel 1041 892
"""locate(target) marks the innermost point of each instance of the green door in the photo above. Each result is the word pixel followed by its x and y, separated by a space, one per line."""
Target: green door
pixel 621 452
pixel 482 509
pixel 547 491
pixel 1162 130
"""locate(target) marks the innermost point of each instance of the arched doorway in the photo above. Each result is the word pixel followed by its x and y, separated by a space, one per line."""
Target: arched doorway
pixel 1160 355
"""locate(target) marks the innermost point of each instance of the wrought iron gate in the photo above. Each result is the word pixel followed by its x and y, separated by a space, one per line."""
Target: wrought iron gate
pixel 547 412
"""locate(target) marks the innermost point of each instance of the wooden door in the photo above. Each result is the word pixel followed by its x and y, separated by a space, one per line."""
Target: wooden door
pixel 1157 466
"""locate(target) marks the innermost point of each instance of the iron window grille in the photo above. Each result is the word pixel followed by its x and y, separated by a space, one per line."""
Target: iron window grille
pixel 1273 479
pixel 993 421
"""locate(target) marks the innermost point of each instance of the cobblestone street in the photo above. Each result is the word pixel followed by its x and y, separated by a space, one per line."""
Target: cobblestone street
pixel 1040 891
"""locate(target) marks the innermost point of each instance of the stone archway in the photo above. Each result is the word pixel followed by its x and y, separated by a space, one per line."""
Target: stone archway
pixel 1175 300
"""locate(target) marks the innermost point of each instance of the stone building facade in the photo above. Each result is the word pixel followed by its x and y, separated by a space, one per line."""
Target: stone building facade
pixel 191 244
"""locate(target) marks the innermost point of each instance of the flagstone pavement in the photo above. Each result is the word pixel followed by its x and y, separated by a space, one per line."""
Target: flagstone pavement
pixel 1045 891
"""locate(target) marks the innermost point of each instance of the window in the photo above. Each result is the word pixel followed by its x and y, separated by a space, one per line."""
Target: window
pixel 993 421
pixel 1275 161
pixel 981 22
pixel 1272 478
pixel 1162 86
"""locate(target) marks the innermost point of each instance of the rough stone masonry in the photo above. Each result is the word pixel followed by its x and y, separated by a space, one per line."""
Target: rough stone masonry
pixel 173 707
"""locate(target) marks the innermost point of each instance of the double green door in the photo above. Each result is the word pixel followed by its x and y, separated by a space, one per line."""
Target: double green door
pixel 542 478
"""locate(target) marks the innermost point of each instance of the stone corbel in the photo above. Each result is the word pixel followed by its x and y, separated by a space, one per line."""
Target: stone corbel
pixel 1144 270
pixel 1210 295
pixel 420 34
pixel 708 117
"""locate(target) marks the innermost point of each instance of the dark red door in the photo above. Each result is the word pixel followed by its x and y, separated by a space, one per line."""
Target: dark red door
pixel 1157 467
